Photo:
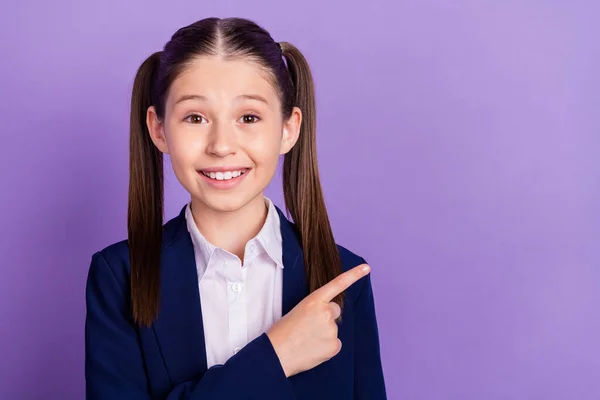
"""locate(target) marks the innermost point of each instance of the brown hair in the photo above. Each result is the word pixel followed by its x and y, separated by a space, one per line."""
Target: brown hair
pixel 292 78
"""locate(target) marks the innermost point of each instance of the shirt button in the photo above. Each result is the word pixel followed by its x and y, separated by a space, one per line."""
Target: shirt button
pixel 235 351
pixel 236 287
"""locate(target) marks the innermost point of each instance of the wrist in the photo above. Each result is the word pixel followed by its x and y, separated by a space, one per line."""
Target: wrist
pixel 278 351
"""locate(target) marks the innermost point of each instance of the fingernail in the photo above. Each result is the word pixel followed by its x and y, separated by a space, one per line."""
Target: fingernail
pixel 365 268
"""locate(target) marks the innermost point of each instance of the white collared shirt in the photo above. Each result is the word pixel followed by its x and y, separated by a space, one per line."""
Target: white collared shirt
pixel 239 303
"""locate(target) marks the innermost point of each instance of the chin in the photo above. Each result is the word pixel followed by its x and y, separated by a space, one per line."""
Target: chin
pixel 225 201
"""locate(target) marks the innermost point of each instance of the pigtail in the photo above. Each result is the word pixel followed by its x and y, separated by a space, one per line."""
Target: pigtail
pixel 302 189
pixel 145 210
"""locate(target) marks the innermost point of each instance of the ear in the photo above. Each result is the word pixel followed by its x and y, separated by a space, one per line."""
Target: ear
pixel 157 130
pixel 291 131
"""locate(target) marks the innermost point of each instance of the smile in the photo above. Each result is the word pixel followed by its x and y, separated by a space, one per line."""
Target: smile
pixel 224 176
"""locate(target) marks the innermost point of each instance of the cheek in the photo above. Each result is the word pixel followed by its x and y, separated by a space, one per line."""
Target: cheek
pixel 265 151
pixel 269 139
pixel 182 150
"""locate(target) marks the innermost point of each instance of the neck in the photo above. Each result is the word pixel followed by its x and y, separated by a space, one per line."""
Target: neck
pixel 231 230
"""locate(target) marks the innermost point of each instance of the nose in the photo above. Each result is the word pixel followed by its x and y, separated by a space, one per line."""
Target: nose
pixel 222 140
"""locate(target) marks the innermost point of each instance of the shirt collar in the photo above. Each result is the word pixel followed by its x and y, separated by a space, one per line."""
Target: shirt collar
pixel 269 237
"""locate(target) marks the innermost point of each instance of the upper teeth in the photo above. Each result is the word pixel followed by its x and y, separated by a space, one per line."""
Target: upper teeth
pixel 223 176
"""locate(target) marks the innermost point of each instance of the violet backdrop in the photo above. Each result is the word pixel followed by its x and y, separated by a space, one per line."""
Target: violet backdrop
pixel 459 147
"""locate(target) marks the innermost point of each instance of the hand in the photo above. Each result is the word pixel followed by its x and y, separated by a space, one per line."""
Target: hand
pixel 307 335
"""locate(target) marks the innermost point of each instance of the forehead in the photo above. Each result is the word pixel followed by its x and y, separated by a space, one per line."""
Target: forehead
pixel 218 78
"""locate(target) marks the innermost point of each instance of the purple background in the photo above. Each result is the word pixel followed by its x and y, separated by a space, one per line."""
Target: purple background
pixel 459 146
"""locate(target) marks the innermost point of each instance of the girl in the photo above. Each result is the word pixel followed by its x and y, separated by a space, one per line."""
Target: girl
pixel 230 299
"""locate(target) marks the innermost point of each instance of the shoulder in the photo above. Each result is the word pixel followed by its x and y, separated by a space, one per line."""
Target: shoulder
pixel 350 260
pixel 109 266
pixel 115 256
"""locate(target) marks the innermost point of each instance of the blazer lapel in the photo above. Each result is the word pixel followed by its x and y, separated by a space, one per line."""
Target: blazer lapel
pixel 179 328
pixel 295 286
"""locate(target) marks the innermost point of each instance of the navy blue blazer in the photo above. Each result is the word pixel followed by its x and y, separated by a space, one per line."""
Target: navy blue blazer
pixel 168 359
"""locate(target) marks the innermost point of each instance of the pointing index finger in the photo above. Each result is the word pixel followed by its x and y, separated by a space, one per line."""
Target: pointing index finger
pixel 340 283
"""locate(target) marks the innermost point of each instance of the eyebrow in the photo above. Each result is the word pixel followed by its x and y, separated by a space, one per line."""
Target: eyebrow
pixel 200 97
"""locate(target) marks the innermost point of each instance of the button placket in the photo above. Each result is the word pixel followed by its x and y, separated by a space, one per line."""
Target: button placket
pixel 237 287
pixel 237 310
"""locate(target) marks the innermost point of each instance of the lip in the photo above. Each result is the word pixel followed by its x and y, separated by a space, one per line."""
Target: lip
pixel 224 184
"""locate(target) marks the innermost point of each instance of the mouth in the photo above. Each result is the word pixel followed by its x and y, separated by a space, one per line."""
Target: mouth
pixel 224 175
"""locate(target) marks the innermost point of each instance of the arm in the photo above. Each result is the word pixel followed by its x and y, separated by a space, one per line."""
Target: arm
pixel 114 367
pixel 368 373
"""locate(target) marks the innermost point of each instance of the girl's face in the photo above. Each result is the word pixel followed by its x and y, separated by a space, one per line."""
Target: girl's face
pixel 223 118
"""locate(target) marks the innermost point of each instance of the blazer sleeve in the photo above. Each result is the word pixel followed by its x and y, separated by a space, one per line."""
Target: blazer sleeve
pixel 114 366
pixel 369 382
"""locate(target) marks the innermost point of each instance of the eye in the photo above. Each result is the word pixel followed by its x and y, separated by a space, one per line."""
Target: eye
pixel 195 118
pixel 250 118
